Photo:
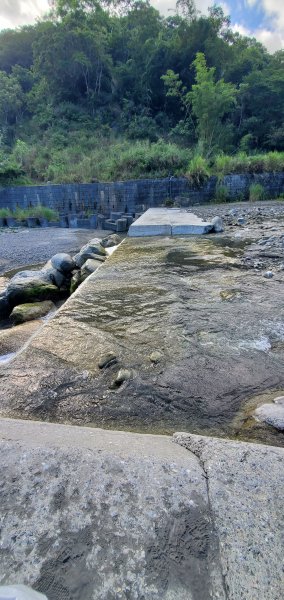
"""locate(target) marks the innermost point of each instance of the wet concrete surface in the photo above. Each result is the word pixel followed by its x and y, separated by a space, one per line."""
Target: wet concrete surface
pixel 217 326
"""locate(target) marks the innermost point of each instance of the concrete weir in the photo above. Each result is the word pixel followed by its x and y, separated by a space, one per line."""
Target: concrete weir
pixel 89 514
pixel 170 334
pixel 168 221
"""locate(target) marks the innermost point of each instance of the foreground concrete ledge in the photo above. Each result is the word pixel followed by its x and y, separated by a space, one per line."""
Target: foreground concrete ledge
pixel 167 222
pixel 105 515
pixel 245 491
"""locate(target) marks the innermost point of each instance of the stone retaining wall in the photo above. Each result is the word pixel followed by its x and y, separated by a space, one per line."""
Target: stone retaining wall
pixel 136 195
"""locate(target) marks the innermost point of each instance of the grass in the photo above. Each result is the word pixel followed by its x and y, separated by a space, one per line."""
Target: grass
pixel 256 192
pixel 198 170
pixel 39 211
pixel 5 212
pixel 241 163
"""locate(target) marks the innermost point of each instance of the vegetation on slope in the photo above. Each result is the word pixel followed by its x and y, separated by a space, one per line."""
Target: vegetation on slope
pixel 112 90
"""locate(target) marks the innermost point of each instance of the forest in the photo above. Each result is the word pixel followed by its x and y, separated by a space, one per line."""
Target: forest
pixel 113 90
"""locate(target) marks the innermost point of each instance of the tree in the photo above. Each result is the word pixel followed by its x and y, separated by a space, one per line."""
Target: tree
pixel 209 102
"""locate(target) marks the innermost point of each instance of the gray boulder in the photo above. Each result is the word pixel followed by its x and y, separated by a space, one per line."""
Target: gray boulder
pixel 31 286
pixel 89 251
pixel 217 225
pixel 111 240
pixel 272 414
pixel 90 266
pixel 63 262
pixel 58 278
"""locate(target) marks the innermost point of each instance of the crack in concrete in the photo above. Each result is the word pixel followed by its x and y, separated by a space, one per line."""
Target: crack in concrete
pixel 196 450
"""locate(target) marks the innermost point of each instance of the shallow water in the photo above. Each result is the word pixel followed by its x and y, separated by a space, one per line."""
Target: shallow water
pixel 5 358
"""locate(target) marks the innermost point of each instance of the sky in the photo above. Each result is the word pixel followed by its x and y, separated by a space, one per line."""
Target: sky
pixel 263 19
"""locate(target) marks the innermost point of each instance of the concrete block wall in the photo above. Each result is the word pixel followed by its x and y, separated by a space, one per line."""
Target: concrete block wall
pixel 136 195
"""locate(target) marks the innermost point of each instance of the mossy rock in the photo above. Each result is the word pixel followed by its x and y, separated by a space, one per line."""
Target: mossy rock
pixel 31 311
pixel 31 286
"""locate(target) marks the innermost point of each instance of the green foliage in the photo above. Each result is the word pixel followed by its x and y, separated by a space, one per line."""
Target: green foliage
pixel 198 170
pixel 39 211
pixel 110 89
pixel 5 212
pixel 221 194
pixel 210 102
pixel 272 162
pixel 256 192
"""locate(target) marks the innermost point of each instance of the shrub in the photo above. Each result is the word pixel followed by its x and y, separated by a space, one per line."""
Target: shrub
pixel 256 192
pixel 43 212
pixel 5 212
pixel 198 170
pixel 221 194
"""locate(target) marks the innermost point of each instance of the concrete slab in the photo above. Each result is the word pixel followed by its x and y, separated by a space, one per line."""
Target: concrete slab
pixel 88 514
pixel 106 515
pixel 245 491
pixel 168 221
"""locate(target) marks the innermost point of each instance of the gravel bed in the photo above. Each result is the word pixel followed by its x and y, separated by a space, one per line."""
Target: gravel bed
pixel 23 247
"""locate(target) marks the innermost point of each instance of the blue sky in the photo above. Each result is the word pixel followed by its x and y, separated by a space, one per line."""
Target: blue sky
pixel 263 19
pixel 253 16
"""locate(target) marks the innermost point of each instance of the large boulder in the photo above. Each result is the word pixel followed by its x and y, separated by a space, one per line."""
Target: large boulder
pixel 58 278
pixel 111 240
pixel 90 266
pixel 30 311
pixel 63 262
pixel 91 250
pixel 217 225
pixel 31 286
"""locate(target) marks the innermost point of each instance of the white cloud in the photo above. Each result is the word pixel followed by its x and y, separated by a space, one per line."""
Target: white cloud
pixel 273 40
pixel 20 12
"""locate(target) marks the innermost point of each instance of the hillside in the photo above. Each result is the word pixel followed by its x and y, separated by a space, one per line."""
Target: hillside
pixel 113 90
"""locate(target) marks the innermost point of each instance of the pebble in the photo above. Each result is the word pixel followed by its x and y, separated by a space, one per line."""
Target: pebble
pixel 122 375
pixel 155 357
pixel 107 359
pixel 268 275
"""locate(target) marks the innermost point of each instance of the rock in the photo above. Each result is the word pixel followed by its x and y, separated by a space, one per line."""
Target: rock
pixel 217 225
pixel 31 311
pixel 272 414
pixel 279 400
pixel 156 357
pixel 75 282
pixel 268 275
pixel 55 276
pixel 111 240
pixel 31 286
pixel 89 251
pixel 227 295
pixel 122 375
pixel 107 359
pixel 90 266
pixel 63 262
pixel 5 308
pixel 241 221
